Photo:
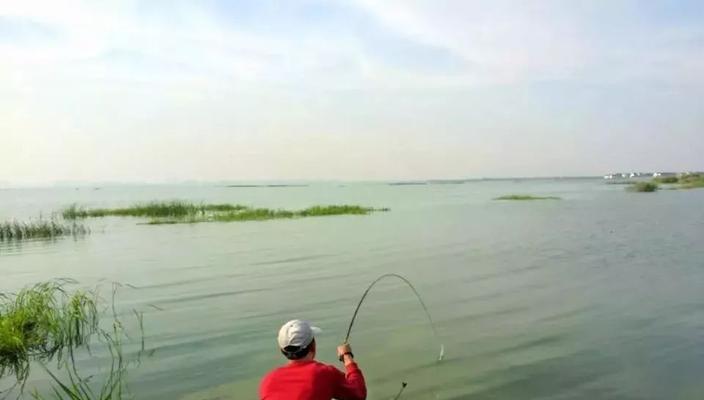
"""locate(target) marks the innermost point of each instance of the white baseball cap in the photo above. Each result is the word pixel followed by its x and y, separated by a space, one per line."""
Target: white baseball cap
pixel 297 333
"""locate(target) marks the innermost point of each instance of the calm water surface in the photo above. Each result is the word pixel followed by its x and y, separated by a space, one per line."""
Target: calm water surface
pixel 597 296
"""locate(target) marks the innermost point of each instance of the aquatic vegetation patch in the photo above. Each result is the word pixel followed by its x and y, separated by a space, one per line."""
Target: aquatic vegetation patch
pixel 526 197
pixel 15 230
pixel 151 209
pixel 180 212
pixel 317 211
pixel 643 187
pixel 262 214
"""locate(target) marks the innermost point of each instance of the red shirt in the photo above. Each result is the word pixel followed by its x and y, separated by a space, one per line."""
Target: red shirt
pixel 311 380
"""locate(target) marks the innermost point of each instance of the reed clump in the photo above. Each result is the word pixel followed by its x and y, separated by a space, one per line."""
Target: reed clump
pixel 41 323
pixel 45 323
pixel 15 230
pixel 253 214
pixel 643 187
pixel 317 211
pixel 526 197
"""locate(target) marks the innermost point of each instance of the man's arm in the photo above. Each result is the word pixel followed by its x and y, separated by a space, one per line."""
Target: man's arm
pixel 351 385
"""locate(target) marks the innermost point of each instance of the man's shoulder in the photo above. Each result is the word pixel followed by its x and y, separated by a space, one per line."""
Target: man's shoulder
pixel 327 368
pixel 271 375
pixel 314 367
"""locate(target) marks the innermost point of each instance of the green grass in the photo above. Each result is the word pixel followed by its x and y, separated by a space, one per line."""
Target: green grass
pixel 666 179
pixel 152 209
pixel 526 197
pixel 693 185
pixel 41 323
pixel 14 230
pixel 691 181
pixel 262 214
pixel 319 211
pixel 45 323
pixel 643 187
pixel 683 181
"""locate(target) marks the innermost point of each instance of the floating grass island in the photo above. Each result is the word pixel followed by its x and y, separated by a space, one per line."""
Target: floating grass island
pixel 14 230
pixel 526 197
pixel 177 212
pixel 152 209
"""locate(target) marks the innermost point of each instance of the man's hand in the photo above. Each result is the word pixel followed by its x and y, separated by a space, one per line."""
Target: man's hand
pixel 344 353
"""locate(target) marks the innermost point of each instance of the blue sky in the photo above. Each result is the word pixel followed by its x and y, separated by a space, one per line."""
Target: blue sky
pixel 140 90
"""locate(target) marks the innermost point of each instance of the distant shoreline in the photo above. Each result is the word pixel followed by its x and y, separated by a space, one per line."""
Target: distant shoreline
pixel 282 183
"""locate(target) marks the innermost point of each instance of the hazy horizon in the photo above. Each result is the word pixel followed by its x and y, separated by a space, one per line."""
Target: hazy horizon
pixel 141 91
pixel 264 182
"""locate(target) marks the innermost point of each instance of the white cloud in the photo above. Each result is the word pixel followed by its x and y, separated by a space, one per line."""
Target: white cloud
pixel 182 92
pixel 510 41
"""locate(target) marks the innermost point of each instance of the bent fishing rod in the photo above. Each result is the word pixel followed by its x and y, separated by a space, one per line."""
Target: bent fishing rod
pixel 420 300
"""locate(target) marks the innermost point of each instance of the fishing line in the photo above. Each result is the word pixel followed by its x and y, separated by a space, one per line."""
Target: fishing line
pixel 422 303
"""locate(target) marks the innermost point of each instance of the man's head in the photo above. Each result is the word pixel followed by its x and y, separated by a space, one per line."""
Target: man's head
pixel 297 339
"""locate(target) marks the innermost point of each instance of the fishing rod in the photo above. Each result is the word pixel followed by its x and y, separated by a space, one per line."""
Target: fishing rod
pixel 403 386
pixel 422 303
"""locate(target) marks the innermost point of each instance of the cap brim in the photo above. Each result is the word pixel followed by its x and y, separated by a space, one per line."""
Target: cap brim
pixel 316 330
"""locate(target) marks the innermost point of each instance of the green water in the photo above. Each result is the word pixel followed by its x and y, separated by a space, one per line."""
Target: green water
pixel 598 295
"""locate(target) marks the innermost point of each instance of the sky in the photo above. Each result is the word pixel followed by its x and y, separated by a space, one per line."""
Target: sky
pixel 169 90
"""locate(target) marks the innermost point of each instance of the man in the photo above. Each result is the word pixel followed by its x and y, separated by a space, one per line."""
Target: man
pixel 303 378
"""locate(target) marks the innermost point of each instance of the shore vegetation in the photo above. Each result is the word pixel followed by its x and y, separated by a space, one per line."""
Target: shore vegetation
pixel 670 182
pixel 691 181
pixel 40 323
pixel 666 179
pixel 681 181
pixel 48 323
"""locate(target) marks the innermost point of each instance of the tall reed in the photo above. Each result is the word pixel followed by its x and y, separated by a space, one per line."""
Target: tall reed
pixel 45 323
pixel 15 230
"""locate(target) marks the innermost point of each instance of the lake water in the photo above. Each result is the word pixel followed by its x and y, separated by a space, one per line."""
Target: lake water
pixel 596 296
